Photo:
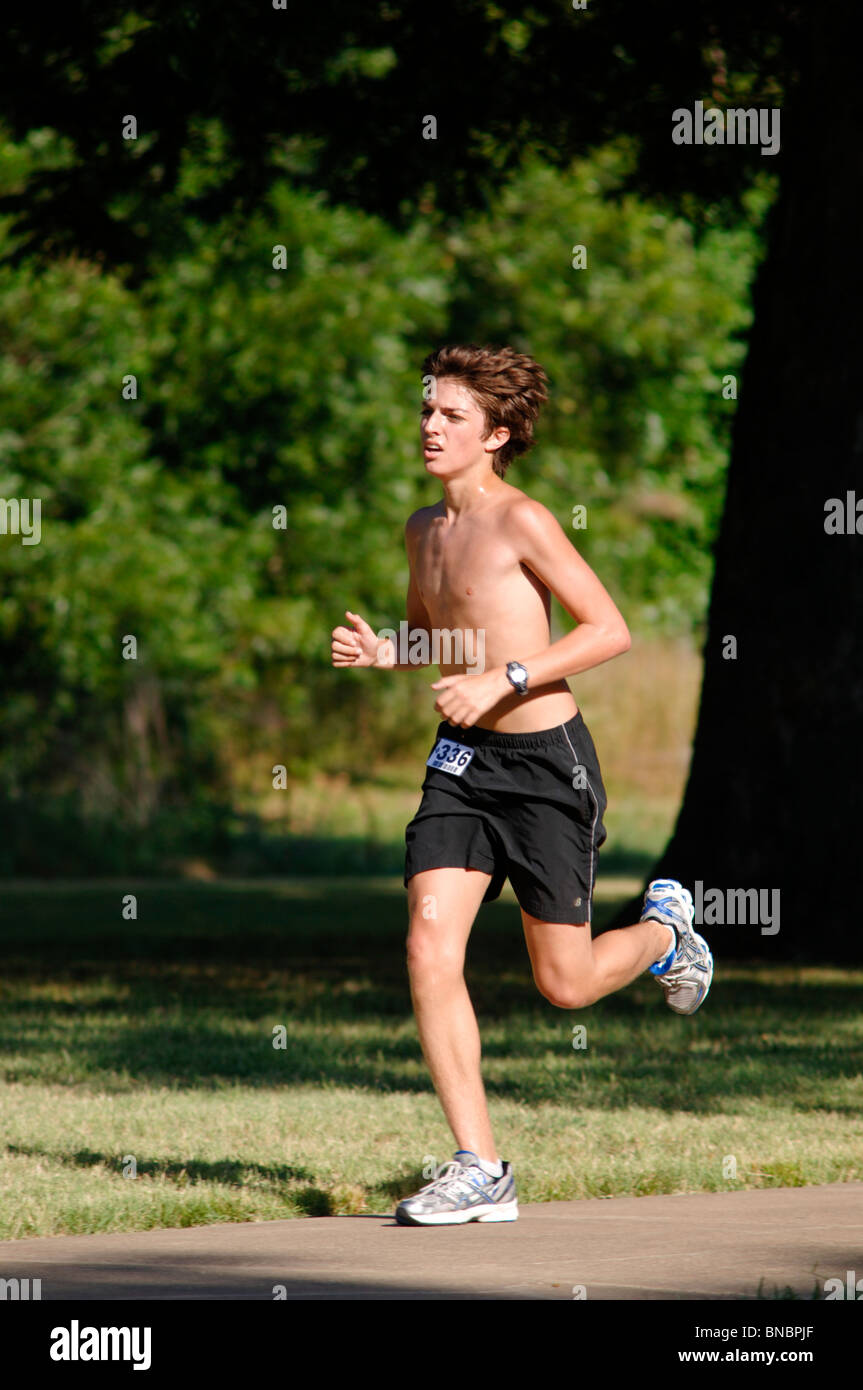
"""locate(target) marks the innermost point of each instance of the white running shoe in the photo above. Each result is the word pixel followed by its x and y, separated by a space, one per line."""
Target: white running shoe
pixel 687 972
pixel 461 1192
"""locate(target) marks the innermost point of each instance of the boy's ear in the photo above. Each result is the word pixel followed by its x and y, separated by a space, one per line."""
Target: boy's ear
pixel 497 439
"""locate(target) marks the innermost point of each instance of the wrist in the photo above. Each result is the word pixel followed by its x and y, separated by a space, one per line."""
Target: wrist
pixel 517 677
pixel 385 656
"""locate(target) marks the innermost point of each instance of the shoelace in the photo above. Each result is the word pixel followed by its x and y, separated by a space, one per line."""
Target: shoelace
pixel 450 1181
pixel 689 950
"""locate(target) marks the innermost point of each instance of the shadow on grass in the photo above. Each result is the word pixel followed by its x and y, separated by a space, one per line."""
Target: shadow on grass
pixel 225 1171
pixel 310 1200
pixel 612 1074
pixel 188 995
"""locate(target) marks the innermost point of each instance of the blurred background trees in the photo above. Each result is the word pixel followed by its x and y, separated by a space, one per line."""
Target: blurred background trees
pixel 262 388
pixel 259 388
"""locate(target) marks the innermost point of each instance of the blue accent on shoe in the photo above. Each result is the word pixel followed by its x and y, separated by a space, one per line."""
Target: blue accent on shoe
pixel 661 904
pixel 661 967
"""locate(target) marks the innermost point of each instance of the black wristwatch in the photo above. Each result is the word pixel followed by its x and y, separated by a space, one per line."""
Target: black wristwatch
pixel 516 674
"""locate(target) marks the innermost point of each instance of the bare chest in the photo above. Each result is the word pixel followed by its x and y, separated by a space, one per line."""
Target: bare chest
pixel 464 570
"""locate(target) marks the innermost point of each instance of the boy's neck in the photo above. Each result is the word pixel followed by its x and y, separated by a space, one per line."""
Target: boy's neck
pixel 471 493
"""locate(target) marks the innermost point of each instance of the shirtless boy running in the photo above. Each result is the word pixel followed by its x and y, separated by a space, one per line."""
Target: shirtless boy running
pixel 513 787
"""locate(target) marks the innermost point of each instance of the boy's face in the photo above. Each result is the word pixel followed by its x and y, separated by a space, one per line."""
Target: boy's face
pixel 451 430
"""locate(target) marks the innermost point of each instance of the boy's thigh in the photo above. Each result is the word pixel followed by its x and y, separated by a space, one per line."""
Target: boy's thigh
pixel 443 904
pixel 559 951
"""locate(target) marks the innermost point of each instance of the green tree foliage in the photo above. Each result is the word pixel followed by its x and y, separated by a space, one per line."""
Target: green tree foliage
pixel 636 345
pixel 337 95
pixel 298 388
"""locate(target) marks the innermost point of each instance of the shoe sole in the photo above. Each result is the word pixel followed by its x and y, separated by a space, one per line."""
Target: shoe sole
pixel 507 1211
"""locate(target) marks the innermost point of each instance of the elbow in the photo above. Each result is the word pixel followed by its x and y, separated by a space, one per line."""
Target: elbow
pixel 622 640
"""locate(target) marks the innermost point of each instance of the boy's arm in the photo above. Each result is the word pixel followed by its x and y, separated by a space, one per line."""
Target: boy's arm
pixel 601 632
pixel 544 547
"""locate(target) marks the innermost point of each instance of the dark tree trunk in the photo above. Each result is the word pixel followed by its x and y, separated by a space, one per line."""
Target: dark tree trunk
pixel 773 799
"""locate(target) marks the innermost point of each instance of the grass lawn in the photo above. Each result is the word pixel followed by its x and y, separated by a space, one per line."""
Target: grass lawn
pixel 152 1041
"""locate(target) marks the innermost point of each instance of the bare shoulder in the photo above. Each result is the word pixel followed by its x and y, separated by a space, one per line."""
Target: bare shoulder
pixel 528 520
pixel 419 521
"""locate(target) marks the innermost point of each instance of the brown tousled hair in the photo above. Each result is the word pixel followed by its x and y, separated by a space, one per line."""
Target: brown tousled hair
pixel 508 386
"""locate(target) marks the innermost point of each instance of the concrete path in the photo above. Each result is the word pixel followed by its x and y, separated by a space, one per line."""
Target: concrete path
pixel 702 1246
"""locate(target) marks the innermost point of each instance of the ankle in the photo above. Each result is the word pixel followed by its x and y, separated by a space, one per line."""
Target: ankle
pixel 667 940
pixel 482 1157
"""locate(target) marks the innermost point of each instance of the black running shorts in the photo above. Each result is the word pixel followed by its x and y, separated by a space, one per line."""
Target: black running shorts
pixel 524 806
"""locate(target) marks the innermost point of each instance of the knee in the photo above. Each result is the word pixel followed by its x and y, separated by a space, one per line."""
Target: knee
pixel 431 960
pixel 564 994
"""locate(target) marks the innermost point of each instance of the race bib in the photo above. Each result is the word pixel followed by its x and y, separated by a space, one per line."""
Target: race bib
pixel 450 757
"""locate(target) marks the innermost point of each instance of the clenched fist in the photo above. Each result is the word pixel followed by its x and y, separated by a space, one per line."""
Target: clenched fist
pixel 358 646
